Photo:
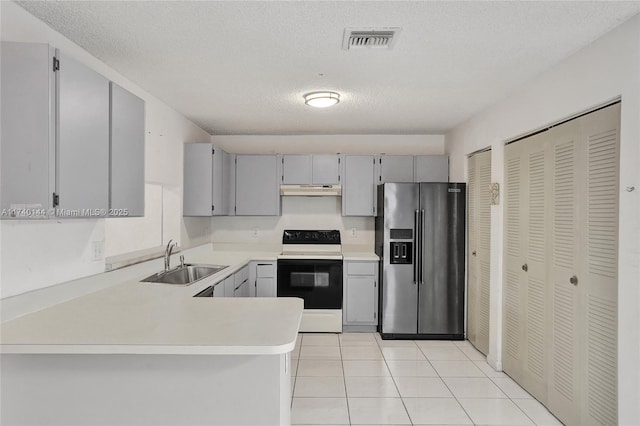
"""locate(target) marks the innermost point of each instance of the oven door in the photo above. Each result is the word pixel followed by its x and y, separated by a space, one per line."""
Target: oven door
pixel 317 282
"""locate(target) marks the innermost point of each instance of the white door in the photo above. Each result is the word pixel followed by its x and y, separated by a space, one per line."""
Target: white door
pixel 479 219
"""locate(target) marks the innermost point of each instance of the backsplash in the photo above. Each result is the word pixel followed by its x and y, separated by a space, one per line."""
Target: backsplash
pixel 297 213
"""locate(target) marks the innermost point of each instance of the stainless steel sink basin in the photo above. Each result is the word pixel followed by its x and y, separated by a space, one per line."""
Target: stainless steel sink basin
pixel 184 275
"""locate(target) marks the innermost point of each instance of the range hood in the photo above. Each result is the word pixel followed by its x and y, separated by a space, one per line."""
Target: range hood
pixel 311 190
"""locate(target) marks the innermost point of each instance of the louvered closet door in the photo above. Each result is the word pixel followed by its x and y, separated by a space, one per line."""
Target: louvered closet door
pixel 484 249
pixel 564 362
pixel 472 278
pixel 515 218
pixel 525 305
pixel 534 271
pixel 560 311
pixel 479 250
pixel 598 275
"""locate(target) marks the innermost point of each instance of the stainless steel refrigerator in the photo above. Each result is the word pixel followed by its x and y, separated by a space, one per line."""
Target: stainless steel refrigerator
pixel 420 238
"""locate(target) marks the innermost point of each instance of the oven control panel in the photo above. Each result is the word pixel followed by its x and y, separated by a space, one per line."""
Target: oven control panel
pixel 310 237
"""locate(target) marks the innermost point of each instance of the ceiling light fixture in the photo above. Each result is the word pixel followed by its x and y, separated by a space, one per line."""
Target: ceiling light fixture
pixel 321 99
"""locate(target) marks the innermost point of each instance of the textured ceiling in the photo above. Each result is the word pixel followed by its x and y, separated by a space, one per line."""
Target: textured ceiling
pixel 241 67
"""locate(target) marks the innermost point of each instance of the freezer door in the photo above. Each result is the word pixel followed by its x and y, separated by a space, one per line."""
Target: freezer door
pixel 441 288
pixel 399 287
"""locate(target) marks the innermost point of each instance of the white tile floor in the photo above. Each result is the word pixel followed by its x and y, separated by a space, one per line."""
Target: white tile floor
pixel 360 379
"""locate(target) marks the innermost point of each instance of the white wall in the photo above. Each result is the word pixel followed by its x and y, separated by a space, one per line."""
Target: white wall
pixel 34 255
pixel 297 213
pixel 606 69
pixel 328 144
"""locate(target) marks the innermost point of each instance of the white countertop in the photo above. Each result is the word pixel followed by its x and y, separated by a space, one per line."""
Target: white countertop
pixel 358 252
pixel 131 317
pixel 147 318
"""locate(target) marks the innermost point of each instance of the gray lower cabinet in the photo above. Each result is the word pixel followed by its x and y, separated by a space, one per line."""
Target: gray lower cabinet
pixel 360 296
pixel 431 168
pixel 258 185
pixel 241 283
pixel 219 289
pixel 358 186
pixel 126 183
pixel 27 129
pixel 263 276
pixel 235 285
pixel 82 183
pixel 229 286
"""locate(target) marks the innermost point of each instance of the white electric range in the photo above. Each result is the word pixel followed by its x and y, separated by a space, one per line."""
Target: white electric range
pixel 310 267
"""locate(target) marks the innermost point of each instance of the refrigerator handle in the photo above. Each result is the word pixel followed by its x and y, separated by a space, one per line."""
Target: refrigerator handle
pixel 416 223
pixel 421 246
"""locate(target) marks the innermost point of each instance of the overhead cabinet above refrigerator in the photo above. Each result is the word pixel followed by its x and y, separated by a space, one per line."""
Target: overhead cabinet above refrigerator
pixel 420 238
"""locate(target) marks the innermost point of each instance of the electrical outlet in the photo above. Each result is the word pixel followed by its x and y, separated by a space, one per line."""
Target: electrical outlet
pixel 97 250
pixel 354 232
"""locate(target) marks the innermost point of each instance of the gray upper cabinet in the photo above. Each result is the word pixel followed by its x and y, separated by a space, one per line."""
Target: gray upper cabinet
pixel 296 169
pixel 358 186
pixel 318 169
pixel 197 197
pixel 70 138
pixel 27 129
pixel 326 169
pixel 258 185
pixel 82 138
pixel 206 184
pixel 395 168
pixel 127 153
pixel 228 184
pixel 432 168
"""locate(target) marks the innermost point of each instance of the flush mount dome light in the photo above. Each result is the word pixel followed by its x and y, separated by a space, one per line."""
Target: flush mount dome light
pixel 321 99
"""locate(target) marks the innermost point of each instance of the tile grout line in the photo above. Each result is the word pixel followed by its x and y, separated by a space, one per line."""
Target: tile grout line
pixel 453 394
pixel 344 379
pixel 394 381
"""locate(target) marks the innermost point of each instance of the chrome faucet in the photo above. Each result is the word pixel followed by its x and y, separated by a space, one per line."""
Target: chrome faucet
pixel 167 254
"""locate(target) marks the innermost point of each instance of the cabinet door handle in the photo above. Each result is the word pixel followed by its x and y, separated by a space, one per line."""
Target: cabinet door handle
pixel 573 280
pixel 474 253
pixel 525 267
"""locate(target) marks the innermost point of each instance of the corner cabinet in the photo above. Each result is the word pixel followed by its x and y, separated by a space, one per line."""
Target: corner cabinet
pixel 358 191
pixel 258 185
pixel 360 296
pixel 70 139
pixel 205 169
pixel 262 274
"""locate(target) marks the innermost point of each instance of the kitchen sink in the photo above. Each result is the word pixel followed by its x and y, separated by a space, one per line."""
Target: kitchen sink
pixel 184 275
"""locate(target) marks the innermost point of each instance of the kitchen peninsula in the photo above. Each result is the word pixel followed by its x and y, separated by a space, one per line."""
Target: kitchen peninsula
pixel 152 354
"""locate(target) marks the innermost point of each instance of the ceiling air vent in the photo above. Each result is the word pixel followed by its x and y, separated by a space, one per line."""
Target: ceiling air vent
pixel 374 38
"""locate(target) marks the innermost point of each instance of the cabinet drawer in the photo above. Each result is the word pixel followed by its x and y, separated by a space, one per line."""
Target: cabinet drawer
pixel 265 270
pixel 365 268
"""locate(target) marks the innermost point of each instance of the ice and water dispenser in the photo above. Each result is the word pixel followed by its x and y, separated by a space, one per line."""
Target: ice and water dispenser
pixel 401 246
